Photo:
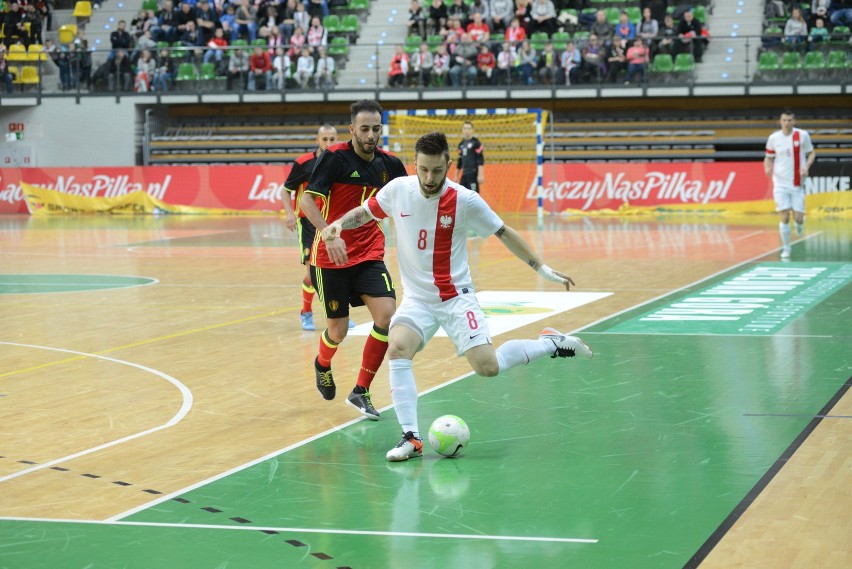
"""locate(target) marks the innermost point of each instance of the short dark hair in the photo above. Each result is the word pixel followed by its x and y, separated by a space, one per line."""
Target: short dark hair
pixel 364 106
pixel 433 144
pixel 788 111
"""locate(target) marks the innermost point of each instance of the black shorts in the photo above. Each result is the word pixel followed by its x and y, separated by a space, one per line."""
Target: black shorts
pixel 307 231
pixel 469 182
pixel 337 289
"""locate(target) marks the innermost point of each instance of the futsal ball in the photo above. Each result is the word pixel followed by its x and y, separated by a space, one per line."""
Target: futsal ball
pixel 448 435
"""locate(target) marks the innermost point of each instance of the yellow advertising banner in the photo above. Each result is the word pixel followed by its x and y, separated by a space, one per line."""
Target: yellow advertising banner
pixel 42 201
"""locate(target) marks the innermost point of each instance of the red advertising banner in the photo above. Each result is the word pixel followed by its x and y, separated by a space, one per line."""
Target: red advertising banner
pixel 584 187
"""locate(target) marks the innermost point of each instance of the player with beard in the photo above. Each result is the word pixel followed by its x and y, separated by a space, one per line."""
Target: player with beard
pixel 432 216
pixel 347 175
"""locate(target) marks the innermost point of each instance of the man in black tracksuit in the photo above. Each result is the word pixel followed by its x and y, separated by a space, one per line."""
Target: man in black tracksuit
pixel 470 171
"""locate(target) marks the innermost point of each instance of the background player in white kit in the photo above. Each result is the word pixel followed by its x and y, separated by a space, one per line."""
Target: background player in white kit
pixel 789 156
pixel 433 216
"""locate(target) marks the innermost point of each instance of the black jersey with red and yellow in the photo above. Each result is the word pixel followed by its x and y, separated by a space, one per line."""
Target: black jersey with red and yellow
pixel 298 178
pixel 345 181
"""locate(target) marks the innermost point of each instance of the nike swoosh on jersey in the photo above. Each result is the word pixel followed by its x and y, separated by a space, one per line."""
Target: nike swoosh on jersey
pixel 405 215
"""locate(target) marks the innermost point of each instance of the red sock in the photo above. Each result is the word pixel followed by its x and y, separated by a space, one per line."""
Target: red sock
pixel 307 295
pixel 327 348
pixel 374 353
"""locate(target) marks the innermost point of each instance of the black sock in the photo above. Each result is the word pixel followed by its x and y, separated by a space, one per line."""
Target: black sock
pixel 359 390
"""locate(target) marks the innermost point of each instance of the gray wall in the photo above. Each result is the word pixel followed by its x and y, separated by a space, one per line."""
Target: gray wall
pixel 60 132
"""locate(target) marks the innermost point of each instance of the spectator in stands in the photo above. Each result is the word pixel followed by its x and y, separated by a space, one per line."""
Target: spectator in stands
pixel 146 67
pixel 120 38
pixel 286 11
pixel 502 12
pixel 317 8
pixel 819 33
pixel 165 72
pixel 238 67
pixel 304 68
pixel 796 29
pixel 297 41
pixel 36 24
pixel 648 28
pixel 485 64
pixel 398 69
pixel 14 26
pixel 137 24
pixel 274 40
pixel 616 60
pixel 437 17
pixel 549 65
pixel 46 12
pixel 841 13
pixel 167 23
pixel 206 21
pixel 523 11
pixel 505 68
pixel 281 68
pixel 84 62
pixel 184 15
pixel 625 28
pixel 478 30
pixel 516 34
pixel 658 8
pixel 301 18
pixel 482 8
pixel 691 37
pixel 668 36
pixel 228 21
pixel 637 61
pixel 119 72
pixel 464 70
pixel 324 75
pixel 216 48
pixel 5 74
pixel 245 18
pixel 420 69
pixel 62 60
pixel 260 67
pixel 316 35
pixel 527 62
pixel 440 65
pixel 593 66
pixel 602 28
pixel 819 9
pixel 571 59
pixel 189 40
pixel 543 14
pixel 458 9
pixel 417 16
pixel 453 32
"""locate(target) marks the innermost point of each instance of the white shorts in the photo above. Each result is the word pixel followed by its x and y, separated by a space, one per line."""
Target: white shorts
pixel 460 317
pixel 788 197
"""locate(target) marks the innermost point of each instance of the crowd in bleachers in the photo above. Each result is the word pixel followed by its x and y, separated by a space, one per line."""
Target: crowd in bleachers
pixel 527 42
pixel 807 39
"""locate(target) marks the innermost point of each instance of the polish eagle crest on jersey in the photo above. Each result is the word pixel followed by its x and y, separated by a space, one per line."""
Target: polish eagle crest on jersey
pixel 446 221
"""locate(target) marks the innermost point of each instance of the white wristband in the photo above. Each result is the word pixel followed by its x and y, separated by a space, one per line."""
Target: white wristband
pixel 548 273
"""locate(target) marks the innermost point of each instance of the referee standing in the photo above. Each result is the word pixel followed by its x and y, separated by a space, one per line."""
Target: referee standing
pixel 470 171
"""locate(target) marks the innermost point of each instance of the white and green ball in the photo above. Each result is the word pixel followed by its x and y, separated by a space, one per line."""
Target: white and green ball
pixel 449 435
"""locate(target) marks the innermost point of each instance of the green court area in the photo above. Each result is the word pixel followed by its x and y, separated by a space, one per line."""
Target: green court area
pixel 632 459
pixel 51 283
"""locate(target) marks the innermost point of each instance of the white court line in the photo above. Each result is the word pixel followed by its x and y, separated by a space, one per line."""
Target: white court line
pixel 273 454
pixel 314 530
pixel 607 333
pixel 184 409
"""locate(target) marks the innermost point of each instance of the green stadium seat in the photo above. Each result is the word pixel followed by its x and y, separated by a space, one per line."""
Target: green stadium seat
pixel 815 65
pixel 700 13
pixel 187 72
pixel 837 65
pixel 613 15
pixel 768 65
pixel 791 62
pixel 208 71
pixel 662 66
pixel 359 5
pixel 149 5
pixel 538 40
pixel 840 35
pixel 559 39
pixel 434 42
pixel 339 47
pixel 349 24
pixel 412 44
pixel 331 23
pixel 634 14
pixel 684 63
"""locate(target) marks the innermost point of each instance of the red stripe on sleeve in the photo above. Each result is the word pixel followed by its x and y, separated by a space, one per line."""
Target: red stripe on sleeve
pixel 375 209
pixel 797 159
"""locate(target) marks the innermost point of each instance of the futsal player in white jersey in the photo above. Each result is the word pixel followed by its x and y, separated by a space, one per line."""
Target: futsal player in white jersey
pixel 789 156
pixel 433 216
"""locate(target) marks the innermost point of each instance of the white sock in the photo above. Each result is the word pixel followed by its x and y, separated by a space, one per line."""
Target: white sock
pixel 522 352
pixel 784 229
pixel 404 395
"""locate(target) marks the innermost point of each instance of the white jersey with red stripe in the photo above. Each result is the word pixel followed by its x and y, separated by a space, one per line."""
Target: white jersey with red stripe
pixel 790 153
pixel 432 235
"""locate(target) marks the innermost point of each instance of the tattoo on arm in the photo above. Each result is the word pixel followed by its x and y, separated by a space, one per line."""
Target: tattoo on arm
pixel 355 218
